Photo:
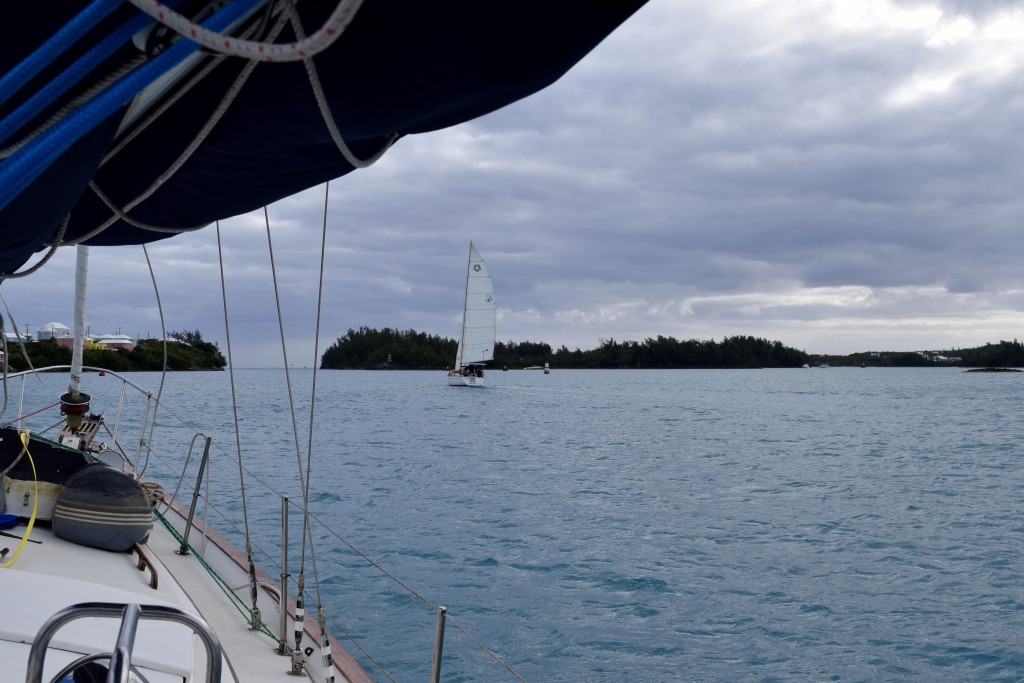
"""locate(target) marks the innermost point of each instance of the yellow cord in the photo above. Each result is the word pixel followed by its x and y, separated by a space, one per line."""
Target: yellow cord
pixel 35 501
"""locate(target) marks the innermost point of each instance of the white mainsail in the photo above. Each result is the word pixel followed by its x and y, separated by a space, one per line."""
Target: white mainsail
pixel 479 315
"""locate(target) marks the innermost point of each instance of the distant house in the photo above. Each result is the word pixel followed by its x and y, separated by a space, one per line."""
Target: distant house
pixel 114 342
pixel 53 331
pixel 57 332
pixel 13 337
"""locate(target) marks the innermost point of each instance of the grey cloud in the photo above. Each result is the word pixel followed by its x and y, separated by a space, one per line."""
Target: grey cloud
pixel 691 177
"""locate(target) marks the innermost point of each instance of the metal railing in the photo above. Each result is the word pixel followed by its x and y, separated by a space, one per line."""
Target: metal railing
pixel 120 657
pixel 145 421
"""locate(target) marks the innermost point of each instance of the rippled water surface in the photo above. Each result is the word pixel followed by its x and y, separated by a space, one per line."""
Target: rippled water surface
pixel 838 524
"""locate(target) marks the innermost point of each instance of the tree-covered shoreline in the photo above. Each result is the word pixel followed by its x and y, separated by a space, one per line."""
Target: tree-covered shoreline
pixel 388 348
pixel 185 351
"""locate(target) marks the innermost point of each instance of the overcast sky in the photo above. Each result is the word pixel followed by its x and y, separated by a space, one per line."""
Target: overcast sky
pixel 838 176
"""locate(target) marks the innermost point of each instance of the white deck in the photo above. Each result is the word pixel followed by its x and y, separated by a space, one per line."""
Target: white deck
pixel 48 576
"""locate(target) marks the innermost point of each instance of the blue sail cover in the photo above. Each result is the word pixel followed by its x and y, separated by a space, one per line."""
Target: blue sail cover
pixel 402 67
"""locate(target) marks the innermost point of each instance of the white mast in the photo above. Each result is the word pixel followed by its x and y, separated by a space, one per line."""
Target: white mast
pixel 81 283
pixel 465 301
pixel 75 403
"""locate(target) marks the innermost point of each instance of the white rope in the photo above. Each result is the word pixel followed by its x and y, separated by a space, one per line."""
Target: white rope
pixel 53 249
pixel 328 116
pixel 166 104
pixel 319 41
pixel 118 213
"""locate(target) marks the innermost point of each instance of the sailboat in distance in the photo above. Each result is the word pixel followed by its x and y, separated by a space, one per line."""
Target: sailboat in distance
pixel 479 325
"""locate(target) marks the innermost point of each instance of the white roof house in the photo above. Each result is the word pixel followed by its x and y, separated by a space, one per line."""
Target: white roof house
pixel 124 338
pixel 114 341
pixel 53 331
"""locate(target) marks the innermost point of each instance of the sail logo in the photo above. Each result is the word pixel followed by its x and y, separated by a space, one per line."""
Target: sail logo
pixel 490 298
pixel 476 268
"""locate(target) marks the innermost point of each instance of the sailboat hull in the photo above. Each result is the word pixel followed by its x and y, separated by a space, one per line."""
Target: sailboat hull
pixel 465 381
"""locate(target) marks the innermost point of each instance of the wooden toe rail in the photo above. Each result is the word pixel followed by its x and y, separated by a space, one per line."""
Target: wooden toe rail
pixel 145 563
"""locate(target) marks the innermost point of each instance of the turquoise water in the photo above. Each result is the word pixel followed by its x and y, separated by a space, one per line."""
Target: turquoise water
pixel 837 524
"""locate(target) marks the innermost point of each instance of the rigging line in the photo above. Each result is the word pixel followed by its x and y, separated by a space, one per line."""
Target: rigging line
pixel 366 654
pixel 14 464
pixel 486 649
pixel 321 615
pixel 59 423
pixel 462 327
pixel 3 361
pixel 186 154
pixel 184 468
pixel 34 412
pixel 312 398
pixel 238 435
pixel 121 215
pixel 301 583
pixel 21 344
pixel 331 30
pixel 53 248
pixel 284 348
pixel 198 553
pixel 303 482
pixel 377 566
pixel 221 517
pixel 172 98
pixel 328 115
pixel 24 351
pixel 115 445
pixel 163 371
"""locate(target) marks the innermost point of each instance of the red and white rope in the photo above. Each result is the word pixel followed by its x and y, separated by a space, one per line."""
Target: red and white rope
pixel 264 52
